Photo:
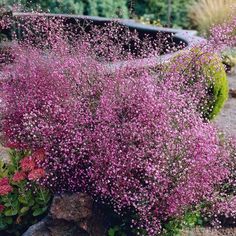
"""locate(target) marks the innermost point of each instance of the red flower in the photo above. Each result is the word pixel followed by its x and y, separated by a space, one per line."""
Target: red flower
pixel 39 155
pixel 5 189
pixel 18 176
pixel 13 145
pixel 36 174
pixel 4 181
pixel 27 164
pixel 1 208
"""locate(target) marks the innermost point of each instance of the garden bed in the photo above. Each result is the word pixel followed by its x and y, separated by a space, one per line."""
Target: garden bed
pixel 133 139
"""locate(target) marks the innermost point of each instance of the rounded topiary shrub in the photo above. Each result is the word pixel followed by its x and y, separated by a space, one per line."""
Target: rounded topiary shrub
pixel 218 88
pixel 205 74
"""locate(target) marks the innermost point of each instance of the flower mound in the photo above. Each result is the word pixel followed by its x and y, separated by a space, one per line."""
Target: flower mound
pixel 5 187
pixel 122 135
pixel 19 176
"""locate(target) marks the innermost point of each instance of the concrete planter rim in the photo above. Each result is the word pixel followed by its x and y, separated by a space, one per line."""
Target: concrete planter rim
pixel 189 37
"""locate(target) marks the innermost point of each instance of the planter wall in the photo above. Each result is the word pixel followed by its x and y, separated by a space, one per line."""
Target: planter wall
pixel 184 39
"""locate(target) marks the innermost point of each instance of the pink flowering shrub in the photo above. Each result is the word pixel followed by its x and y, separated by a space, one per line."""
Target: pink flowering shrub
pixel 222 208
pixel 128 136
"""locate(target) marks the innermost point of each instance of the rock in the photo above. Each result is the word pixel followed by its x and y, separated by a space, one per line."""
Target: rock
pixel 74 207
pixel 232 93
pixel 4 156
pixel 39 229
pixel 64 228
pixel 70 215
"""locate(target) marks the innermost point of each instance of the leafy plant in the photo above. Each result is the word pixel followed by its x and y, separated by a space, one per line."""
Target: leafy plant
pixel 197 64
pixel 105 8
pixel 218 88
pixel 22 201
pixel 116 231
pixel 190 219
pixel 158 10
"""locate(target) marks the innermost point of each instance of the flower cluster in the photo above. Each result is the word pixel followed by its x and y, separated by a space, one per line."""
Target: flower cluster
pixel 5 187
pixel 22 200
pixel 223 36
pixel 130 136
pixel 29 166
pixel 29 170
pixel 19 176
pixel 1 208
pixel 223 207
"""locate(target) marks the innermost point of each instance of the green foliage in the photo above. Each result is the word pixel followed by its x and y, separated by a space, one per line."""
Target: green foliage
pixel 190 219
pixel 172 227
pixel 104 8
pixel 149 9
pixel 26 204
pixel 147 21
pixel 108 8
pixel 218 87
pixel 157 10
pixel 197 64
pixel 116 231
pixel 123 230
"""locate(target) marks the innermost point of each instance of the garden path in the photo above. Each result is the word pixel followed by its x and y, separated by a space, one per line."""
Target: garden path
pixel 226 120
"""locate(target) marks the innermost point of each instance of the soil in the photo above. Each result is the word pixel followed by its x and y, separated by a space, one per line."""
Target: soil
pixel 210 232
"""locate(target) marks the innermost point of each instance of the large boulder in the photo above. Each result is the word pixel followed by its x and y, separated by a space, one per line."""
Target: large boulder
pixel 75 207
pixel 70 215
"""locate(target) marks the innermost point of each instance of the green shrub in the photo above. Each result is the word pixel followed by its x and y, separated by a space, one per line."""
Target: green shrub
pixel 172 227
pixel 218 88
pixel 104 8
pixel 22 201
pixel 194 65
pixel 157 10
pixel 189 220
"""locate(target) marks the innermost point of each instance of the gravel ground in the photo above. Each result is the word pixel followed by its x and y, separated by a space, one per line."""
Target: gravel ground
pixel 226 120
pixel 209 232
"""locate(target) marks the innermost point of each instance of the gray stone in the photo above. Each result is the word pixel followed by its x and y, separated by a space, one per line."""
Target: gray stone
pixel 232 93
pixel 39 229
pixel 70 215
pixel 64 228
pixel 72 207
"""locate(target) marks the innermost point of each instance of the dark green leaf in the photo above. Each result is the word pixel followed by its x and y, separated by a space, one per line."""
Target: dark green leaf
pixel 39 211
